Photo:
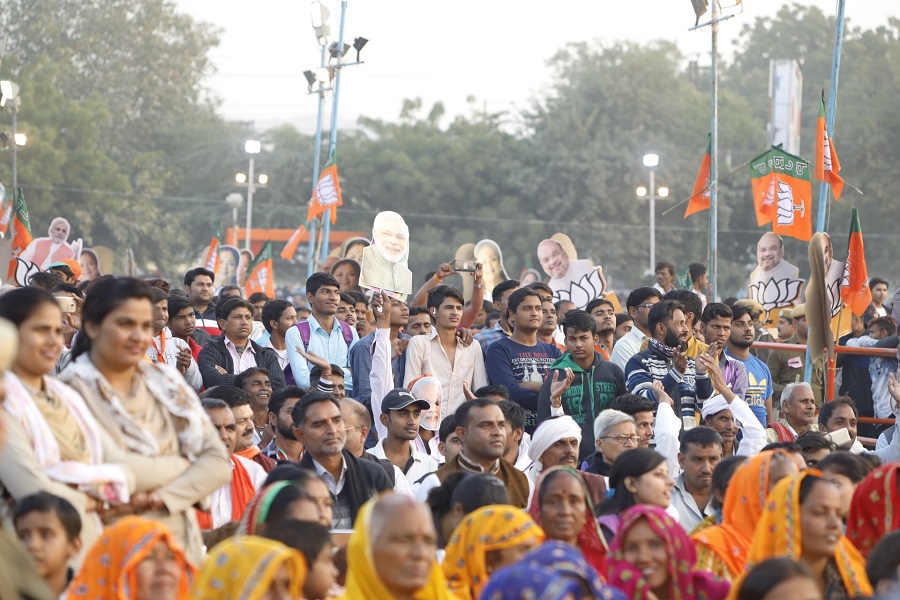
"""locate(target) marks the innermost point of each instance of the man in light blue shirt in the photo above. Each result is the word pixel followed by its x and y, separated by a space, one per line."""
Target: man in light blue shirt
pixel 329 338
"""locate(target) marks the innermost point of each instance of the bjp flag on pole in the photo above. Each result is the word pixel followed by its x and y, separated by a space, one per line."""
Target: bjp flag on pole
pixel 260 276
pixel 212 255
pixel 21 232
pixel 327 195
pixel 855 290
pixel 699 200
pixel 782 193
pixel 827 164
pixel 290 249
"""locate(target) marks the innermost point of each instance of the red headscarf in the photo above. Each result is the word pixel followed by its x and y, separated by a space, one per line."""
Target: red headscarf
pixel 685 583
pixel 875 510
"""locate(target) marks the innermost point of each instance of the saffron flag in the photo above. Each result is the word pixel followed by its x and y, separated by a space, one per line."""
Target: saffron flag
pixel 827 164
pixel 21 232
pixel 782 193
pixel 212 255
pixel 699 200
pixel 327 195
pixel 260 277
pixel 5 217
pixel 290 249
pixel 855 290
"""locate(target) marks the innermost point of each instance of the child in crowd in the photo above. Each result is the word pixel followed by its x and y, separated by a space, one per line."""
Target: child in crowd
pixel 50 530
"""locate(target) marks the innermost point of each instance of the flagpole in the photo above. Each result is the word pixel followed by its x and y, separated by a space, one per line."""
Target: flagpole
pixel 326 220
pixel 311 252
pixel 714 156
pixel 821 223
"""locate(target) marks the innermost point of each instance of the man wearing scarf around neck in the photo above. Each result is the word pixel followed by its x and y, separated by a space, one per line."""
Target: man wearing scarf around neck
pixel 664 360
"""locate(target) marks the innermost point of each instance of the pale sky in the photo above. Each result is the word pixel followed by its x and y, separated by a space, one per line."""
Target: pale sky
pixel 442 50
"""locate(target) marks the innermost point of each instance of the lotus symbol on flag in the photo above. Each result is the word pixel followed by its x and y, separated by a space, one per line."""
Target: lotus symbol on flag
pixel 786 206
pixel 261 277
pixel 326 190
pixel 845 278
pixel 24 270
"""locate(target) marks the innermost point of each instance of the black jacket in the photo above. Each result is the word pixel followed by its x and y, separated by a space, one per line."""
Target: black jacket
pixel 596 465
pixel 215 353
pixel 364 479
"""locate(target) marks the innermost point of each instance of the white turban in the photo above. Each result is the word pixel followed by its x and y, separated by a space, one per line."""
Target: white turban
pixel 715 404
pixel 551 431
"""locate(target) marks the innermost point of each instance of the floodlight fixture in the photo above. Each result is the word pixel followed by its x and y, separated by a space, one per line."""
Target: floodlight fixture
pixel 241 178
pixel 263 179
pixel 641 192
pixel 358 44
pixel 252 146
pixel 663 192
pixel 651 160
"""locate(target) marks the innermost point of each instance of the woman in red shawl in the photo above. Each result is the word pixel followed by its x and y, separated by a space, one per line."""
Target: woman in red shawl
pixel 875 510
pixel 653 557
pixel 562 507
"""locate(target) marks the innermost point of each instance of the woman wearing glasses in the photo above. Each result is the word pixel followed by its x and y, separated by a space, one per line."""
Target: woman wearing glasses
pixel 639 476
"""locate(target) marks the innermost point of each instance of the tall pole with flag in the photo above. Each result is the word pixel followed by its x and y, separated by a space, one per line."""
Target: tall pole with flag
pixel 822 222
pixel 714 155
pixel 311 253
pixel 21 232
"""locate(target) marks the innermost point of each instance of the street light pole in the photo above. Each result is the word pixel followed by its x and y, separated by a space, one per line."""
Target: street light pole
pixel 15 153
pixel 326 220
pixel 652 219
pixel 714 156
pixel 250 181
pixel 311 253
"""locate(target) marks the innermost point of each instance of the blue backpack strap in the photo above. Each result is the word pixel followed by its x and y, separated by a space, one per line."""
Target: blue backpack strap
pixel 303 328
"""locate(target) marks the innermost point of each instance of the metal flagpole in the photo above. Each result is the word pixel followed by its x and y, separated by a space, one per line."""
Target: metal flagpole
pixel 326 220
pixel 311 253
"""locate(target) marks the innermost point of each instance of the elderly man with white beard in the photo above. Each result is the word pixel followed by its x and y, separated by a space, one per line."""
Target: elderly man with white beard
pixel 384 262
pixel 556 442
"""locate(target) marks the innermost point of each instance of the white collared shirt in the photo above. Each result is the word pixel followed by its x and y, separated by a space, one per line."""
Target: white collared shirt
pixel 335 487
pixel 426 355
pixel 241 362
pixel 421 466
pixel 220 499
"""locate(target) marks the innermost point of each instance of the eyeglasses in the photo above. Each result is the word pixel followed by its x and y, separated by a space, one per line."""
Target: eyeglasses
pixel 646 305
pixel 624 440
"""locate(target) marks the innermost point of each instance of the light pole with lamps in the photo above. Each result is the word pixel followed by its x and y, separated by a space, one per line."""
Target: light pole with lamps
pixel 234 200
pixel 9 98
pixel 652 161
pixel 251 147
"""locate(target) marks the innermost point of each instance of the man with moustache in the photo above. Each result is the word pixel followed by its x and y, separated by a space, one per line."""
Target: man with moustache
pixel 319 427
pixel 239 402
pixel 759 378
pixel 700 452
pixel 284 444
pixel 604 314
pixel 256 384
pixel 687 383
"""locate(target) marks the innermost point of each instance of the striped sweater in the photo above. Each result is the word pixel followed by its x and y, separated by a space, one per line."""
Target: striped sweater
pixel 687 390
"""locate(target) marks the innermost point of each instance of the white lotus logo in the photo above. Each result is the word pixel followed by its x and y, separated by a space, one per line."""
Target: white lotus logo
pixel 584 290
pixel 326 190
pixel 786 206
pixel 774 293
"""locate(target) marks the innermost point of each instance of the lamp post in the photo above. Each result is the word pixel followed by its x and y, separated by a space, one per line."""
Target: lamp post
pixel 234 200
pixel 319 16
pixel 9 98
pixel 251 147
pixel 652 161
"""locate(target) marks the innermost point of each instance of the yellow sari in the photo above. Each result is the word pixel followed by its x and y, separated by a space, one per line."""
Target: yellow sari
pixel 363 582
pixel 779 534
pixel 489 528
pixel 242 568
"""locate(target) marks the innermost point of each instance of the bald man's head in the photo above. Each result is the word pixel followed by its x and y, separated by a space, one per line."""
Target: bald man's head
pixel 553 258
pixel 769 251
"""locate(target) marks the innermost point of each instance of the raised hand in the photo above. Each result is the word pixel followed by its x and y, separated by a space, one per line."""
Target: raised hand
pixel 559 386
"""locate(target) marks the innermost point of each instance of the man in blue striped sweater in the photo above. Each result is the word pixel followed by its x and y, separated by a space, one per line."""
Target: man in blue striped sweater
pixel 664 360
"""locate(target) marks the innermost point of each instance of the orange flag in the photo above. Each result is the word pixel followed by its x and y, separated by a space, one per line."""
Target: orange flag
pixel 290 249
pixel 21 232
pixel 327 195
pixel 212 255
pixel 700 198
pixel 855 290
pixel 782 193
pixel 260 277
pixel 827 164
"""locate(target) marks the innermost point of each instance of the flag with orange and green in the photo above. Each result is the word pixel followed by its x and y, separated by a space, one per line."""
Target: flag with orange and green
pixel 260 277
pixel 699 200
pixel 327 194
pixel 782 193
pixel 827 164
pixel 855 291
pixel 21 232
pixel 212 255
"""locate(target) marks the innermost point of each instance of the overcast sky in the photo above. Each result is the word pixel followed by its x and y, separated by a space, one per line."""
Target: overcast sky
pixel 442 50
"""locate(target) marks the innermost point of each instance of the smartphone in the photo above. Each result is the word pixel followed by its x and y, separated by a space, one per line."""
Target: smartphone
pixel 464 266
pixel 66 304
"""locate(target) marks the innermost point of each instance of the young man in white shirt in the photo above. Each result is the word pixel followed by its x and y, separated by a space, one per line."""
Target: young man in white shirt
pixel 166 349
pixel 442 354
pixel 400 414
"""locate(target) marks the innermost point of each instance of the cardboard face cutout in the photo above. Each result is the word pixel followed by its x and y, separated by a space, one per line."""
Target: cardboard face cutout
pixel 353 248
pixel 834 274
pixel 578 281
pixel 528 277
pixel 467 252
pixel 774 283
pixel 229 257
pixel 44 251
pixel 384 263
pixel 90 265
pixel 488 253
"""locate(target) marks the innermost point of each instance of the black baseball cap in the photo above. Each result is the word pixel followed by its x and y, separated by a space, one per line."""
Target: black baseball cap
pixel 399 398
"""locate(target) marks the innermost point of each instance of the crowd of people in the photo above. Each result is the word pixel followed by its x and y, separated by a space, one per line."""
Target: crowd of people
pixel 171 441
